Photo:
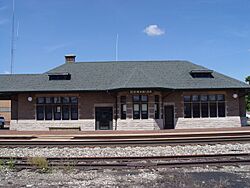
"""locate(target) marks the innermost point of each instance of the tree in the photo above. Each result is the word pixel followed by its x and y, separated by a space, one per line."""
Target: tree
pixel 248 96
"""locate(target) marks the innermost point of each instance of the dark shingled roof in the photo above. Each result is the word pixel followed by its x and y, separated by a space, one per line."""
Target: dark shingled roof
pixel 97 76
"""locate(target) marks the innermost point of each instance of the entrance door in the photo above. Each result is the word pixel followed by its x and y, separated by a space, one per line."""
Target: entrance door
pixel 169 117
pixel 104 118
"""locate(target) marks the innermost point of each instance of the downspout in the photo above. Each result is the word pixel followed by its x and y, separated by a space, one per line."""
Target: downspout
pixel 116 112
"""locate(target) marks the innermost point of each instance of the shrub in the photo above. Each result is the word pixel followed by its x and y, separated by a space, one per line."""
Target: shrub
pixel 40 162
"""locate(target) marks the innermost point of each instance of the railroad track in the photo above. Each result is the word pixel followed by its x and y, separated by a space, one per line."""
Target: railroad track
pixel 62 140
pixel 131 162
pixel 111 141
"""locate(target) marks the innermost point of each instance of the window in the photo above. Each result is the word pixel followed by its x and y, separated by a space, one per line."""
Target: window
pixel 201 73
pixel 221 105
pixel 140 107
pixel 59 76
pixel 74 112
pixel 197 106
pixel 57 112
pixel 48 112
pixel 65 112
pixel 187 107
pixel 57 108
pixel 40 112
pixel 157 107
pixel 123 107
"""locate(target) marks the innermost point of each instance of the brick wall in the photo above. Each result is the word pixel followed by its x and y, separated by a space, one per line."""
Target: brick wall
pixel 24 114
pixel 5 106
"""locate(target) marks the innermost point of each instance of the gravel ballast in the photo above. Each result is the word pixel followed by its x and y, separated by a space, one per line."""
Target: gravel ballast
pixel 133 151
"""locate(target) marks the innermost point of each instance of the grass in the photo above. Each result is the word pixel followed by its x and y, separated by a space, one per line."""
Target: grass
pixel 11 164
pixel 41 163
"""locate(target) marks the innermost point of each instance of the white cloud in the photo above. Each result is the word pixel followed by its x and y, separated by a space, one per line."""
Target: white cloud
pixel 6 72
pixel 153 30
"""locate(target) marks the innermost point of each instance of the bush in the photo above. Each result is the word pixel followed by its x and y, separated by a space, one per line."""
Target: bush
pixel 40 162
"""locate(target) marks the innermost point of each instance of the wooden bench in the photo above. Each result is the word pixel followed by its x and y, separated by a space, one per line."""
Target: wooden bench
pixel 64 128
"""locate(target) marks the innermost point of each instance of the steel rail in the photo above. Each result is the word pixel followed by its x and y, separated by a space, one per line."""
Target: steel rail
pixel 141 162
pixel 16 143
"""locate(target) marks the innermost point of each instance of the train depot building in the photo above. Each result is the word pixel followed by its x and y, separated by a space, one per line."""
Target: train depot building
pixel 132 95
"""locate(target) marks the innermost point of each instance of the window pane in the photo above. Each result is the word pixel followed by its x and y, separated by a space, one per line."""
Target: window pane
pixel 212 97
pixel 136 111
pixel 40 100
pixel 144 107
pixel 57 112
pixel 74 100
pixel 204 109
pixel 123 111
pixel 65 100
pixel 136 107
pixel 124 107
pixel 195 98
pixel 65 112
pixel 196 110
pixel 221 109
pixel 204 98
pixel 157 111
pixel 144 114
pixel 187 110
pixel 157 98
pixel 220 97
pixel 144 111
pixel 74 112
pixel 39 113
pixel 123 99
pixel 48 100
pixel 187 98
pixel 144 98
pixel 213 109
pixel 136 98
pixel 57 100
pixel 48 112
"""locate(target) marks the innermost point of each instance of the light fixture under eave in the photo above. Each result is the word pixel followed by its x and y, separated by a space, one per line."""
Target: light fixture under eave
pixel 235 95
pixel 29 99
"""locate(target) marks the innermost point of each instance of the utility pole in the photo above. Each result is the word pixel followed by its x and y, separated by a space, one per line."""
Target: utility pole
pixel 12 38
pixel 116 47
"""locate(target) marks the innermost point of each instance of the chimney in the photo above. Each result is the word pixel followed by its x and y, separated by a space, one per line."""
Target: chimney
pixel 70 58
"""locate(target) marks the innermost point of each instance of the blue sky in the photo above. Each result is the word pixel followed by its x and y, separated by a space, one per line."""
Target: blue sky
pixel 212 33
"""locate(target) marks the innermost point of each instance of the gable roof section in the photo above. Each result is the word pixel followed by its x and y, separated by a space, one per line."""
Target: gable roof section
pixel 99 76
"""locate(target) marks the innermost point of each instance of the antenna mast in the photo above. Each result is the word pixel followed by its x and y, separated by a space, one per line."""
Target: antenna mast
pixel 116 47
pixel 12 38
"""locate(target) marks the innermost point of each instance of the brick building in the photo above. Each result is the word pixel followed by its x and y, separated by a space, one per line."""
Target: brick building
pixel 133 95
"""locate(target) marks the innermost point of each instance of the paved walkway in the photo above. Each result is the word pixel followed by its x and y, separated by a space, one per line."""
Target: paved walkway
pixel 109 133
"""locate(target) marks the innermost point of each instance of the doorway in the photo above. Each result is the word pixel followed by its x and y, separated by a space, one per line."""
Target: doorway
pixel 169 117
pixel 103 118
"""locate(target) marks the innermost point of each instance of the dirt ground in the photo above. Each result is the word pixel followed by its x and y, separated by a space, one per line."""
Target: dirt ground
pixel 194 177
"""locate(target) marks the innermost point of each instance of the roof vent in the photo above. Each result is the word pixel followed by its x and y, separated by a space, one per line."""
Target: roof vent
pixel 70 58
pixel 202 73
pixel 59 76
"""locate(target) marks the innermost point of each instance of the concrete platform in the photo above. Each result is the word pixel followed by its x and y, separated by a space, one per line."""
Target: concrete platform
pixel 75 134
